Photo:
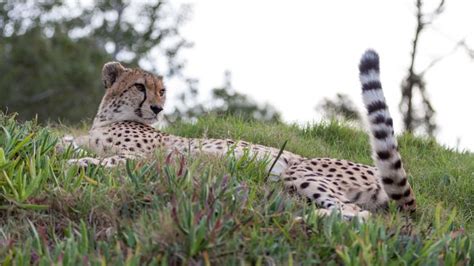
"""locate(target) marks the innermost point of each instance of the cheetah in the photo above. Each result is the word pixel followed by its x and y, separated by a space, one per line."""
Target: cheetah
pixel 133 98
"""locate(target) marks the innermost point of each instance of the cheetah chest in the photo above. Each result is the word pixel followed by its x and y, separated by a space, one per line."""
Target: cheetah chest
pixel 124 138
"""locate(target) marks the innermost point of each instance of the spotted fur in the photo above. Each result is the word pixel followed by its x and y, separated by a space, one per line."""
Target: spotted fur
pixel 133 98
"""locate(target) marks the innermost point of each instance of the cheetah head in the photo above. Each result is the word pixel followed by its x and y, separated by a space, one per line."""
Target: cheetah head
pixel 131 94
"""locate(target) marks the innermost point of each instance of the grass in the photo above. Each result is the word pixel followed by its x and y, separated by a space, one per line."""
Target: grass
pixel 174 209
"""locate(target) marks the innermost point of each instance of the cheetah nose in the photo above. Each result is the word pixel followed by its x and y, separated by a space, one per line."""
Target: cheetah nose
pixel 156 109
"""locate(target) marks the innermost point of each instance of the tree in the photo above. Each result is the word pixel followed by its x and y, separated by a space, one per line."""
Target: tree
pixel 415 80
pixel 340 108
pixel 52 51
pixel 422 119
pixel 226 101
pixel 414 84
pixel 138 30
pixel 50 77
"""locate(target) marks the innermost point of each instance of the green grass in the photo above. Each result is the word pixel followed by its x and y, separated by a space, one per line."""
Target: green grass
pixel 186 210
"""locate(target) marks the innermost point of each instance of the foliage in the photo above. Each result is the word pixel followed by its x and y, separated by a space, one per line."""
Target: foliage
pixel 225 101
pixel 50 77
pixel 415 81
pixel 52 51
pixel 342 108
pixel 175 209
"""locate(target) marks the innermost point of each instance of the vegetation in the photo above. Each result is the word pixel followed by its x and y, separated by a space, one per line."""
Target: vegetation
pixel 225 101
pixel 417 111
pixel 340 108
pixel 38 37
pixel 174 209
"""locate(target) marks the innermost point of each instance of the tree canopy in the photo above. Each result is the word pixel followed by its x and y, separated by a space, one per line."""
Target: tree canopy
pixel 52 51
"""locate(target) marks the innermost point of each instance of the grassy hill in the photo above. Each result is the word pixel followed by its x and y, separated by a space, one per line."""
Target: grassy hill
pixel 176 209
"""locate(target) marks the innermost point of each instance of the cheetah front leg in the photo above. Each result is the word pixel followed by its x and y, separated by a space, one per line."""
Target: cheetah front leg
pixel 77 143
pixel 107 162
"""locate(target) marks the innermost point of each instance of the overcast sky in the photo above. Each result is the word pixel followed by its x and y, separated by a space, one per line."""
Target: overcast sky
pixel 292 54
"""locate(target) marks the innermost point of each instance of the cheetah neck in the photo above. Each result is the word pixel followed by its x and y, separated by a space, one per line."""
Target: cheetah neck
pixel 104 116
pixel 109 112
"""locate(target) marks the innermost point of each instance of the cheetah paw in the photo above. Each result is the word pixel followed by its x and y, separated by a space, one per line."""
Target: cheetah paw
pixel 65 142
pixel 84 162
pixel 361 216
pixel 318 212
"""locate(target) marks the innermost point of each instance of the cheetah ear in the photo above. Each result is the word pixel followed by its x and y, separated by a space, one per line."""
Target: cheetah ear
pixel 110 72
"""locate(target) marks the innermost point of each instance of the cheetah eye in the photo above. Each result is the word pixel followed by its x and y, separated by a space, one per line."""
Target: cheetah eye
pixel 162 92
pixel 140 87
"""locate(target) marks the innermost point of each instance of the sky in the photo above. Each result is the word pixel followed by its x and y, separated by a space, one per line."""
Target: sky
pixel 292 54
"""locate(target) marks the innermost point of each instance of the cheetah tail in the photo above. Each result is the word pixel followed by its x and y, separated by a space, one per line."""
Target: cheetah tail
pixel 384 144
